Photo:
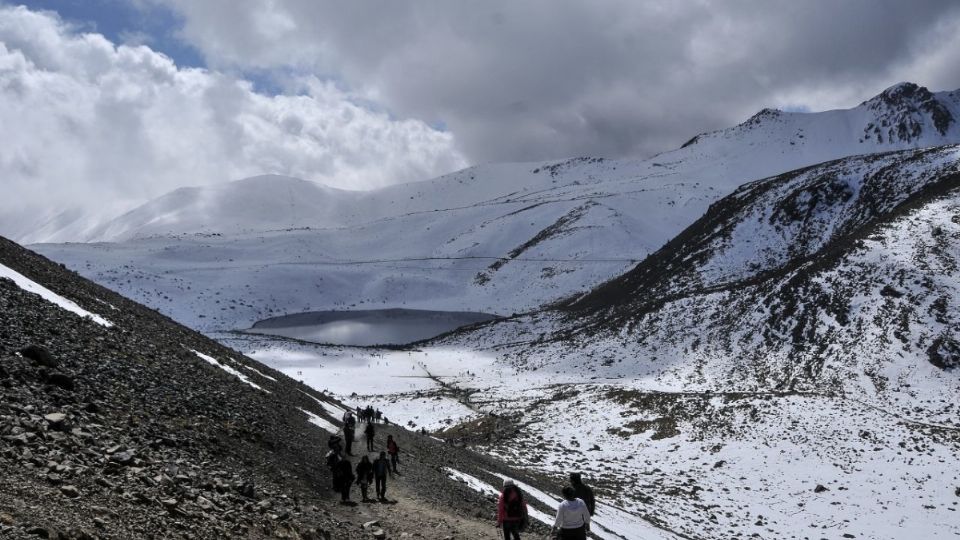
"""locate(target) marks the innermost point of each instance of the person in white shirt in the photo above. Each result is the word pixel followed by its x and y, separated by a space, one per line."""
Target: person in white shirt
pixel 573 518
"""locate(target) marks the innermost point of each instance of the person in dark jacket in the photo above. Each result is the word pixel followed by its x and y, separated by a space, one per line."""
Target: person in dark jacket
pixel 344 479
pixel 349 427
pixel 332 459
pixel 511 511
pixel 369 432
pixel 364 476
pixel 381 468
pixel 394 450
pixel 583 491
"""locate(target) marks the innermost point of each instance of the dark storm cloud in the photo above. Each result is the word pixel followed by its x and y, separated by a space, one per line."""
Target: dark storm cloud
pixel 544 78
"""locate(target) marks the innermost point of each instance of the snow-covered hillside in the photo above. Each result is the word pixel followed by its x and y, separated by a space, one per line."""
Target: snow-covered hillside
pixel 500 238
pixel 786 367
pixel 803 333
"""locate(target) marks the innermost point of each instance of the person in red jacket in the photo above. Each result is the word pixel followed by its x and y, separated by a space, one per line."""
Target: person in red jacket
pixel 394 452
pixel 511 511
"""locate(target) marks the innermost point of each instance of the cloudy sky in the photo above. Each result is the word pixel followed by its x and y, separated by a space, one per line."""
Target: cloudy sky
pixel 116 101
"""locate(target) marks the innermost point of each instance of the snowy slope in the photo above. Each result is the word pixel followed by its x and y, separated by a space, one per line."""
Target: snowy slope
pixel 803 333
pixel 787 367
pixel 497 238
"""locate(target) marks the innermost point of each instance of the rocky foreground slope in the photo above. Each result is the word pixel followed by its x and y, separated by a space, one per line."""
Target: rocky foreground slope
pixel 135 427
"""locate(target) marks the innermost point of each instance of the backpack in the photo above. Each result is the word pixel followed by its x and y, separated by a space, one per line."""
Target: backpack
pixel 334 442
pixel 514 506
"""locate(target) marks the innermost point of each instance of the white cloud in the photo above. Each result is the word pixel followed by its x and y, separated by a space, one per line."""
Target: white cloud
pixel 89 123
pixel 542 79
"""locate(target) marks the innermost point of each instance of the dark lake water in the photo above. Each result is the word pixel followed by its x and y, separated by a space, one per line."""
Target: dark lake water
pixel 367 327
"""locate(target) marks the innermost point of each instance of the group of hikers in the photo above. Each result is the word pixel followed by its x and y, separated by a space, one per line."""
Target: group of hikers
pixel 369 414
pixel 366 472
pixel 573 514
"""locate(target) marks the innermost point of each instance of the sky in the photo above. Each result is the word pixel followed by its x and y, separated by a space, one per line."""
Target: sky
pixel 107 103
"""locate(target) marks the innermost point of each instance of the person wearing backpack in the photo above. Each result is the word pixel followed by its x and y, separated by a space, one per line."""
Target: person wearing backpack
pixel 364 476
pixel 573 518
pixel 583 491
pixel 511 511
pixel 381 468
pixel 344 479
pixel 394 452
pixel 368 432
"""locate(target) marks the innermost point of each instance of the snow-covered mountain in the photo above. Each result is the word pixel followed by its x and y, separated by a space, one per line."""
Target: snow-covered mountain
pixel 755 335
pixel 499 238
pixel 789 362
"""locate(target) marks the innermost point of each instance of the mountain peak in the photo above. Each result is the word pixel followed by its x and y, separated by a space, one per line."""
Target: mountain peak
pixel 905 112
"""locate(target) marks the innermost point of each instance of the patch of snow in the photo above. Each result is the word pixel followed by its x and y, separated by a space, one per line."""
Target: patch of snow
pixel 214 362
pixel 320 422
pixel 29 285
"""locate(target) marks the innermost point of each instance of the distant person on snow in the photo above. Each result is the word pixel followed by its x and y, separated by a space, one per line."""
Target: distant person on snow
pixel 394 452
pixel 511 511
pixel 381 468
pixel 369 432
pixel 344 479
pixel 583 491
pixel 364 476
pixel 573 518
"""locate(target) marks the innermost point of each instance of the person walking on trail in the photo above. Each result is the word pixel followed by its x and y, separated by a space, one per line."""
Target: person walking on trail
pixel 344 479
pixel 369 432
pixel 511 511
pixel 573 518
pixel 583 491
pixel 364 476
pixel 349 429
pixel 394 452
pixel 332 459
pixel 378 415
pixel 381 468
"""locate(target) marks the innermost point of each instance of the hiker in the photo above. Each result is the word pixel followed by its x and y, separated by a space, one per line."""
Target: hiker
pixel 349 428
pixel 394 452
pixel 368 432
pixel 335 443
pixel 344 479
pixel 583 491
pixel 511 511
pixel 378 414
pixel 364 476
pixel 381 467
pixel 573 518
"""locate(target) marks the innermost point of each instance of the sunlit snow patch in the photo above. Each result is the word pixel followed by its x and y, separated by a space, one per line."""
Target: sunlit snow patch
pixel 320 422
pixel 29 285
pixel 214 362
pixel 258 372
pixel 330 408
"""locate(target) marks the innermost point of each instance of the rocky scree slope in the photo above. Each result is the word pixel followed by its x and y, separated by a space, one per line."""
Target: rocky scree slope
pixel 127 432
